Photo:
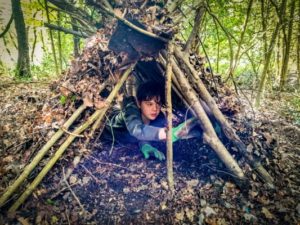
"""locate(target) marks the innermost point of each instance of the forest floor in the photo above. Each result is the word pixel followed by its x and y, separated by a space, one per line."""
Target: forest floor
pixel 124 188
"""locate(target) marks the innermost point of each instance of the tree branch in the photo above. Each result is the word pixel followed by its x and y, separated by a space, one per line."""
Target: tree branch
pixel 7 26
pixel 65 30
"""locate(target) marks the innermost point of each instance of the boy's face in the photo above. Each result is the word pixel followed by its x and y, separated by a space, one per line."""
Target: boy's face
pixel 150 109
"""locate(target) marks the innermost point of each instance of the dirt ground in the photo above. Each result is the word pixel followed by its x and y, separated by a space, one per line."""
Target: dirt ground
pixel 124 188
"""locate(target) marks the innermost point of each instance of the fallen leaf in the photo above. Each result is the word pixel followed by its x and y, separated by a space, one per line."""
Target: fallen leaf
pixel 23 221
pixel 179 215
pixel 126 190
pixel 164 185
pixel 86 180
pixel 100 104
pixel 72 179
pixel 88 100
pixel 189 214
pixel 8 159
pixel 118 12
pixel 267 213
pixel 249 217
pixel 193 182
pixel 209 211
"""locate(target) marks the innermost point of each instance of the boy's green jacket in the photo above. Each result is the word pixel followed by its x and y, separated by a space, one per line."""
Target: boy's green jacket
pixel 126 125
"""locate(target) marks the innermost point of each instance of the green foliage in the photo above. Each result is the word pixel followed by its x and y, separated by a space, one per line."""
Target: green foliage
pixel 292 108
pixel 63 99
pixel 45 70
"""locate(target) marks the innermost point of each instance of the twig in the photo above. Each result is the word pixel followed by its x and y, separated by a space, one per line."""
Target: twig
pixel 107 163
pixel 90 173
pixel 67 215
pixel 70 133
pixel 221 171
pixel 74 195
pixel 54 195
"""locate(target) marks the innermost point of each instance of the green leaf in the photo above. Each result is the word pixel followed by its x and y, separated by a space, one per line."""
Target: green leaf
pixel 63 99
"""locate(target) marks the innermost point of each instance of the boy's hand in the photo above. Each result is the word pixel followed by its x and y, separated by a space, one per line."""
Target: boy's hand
pixel 183 129
pixel 148 150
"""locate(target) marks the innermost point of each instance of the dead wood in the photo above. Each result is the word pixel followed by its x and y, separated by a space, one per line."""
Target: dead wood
pixel 209 135
pixel 226 127
pixel 169 143
pixel 67 31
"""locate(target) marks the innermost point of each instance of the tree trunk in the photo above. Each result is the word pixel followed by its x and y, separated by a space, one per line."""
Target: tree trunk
pixel 59 43
pixel 285 64
pixel 298 48
pixel 278 56
pixel 237 54
pixel 76 39
pixel 197 21
pixel 23 64
pixel 268 59
pixel 264 27
pixel 51 38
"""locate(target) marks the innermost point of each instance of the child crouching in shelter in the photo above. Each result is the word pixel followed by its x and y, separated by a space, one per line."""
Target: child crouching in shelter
pixel 141 120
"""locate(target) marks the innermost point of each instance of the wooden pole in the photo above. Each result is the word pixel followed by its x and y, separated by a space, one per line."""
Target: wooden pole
pixel 169 143
pixel 209 135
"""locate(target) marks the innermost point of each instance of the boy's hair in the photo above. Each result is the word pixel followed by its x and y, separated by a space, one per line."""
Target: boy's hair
pixel 150 89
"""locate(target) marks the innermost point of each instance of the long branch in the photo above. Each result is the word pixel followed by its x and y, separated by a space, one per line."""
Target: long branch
pixel 170 174
pixel 66 31
pixel 209 135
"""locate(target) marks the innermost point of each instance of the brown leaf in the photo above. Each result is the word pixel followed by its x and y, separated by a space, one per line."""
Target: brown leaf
pixel 99 104
pixel 118 12
pixel 267 213
pixel 190 214
pixel 268 137
pixel 23 221
pixel 64 90
pixel 179 215
pixel 88 100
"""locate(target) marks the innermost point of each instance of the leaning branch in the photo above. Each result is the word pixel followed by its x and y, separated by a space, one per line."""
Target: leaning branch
pixel 169 119
pixel 66 31
pixel 209 135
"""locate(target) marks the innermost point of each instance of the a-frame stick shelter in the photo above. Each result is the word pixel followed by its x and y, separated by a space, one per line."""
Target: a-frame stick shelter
pixel 138 43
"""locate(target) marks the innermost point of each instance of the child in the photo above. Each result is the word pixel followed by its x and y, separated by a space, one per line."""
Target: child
pixel 140 120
